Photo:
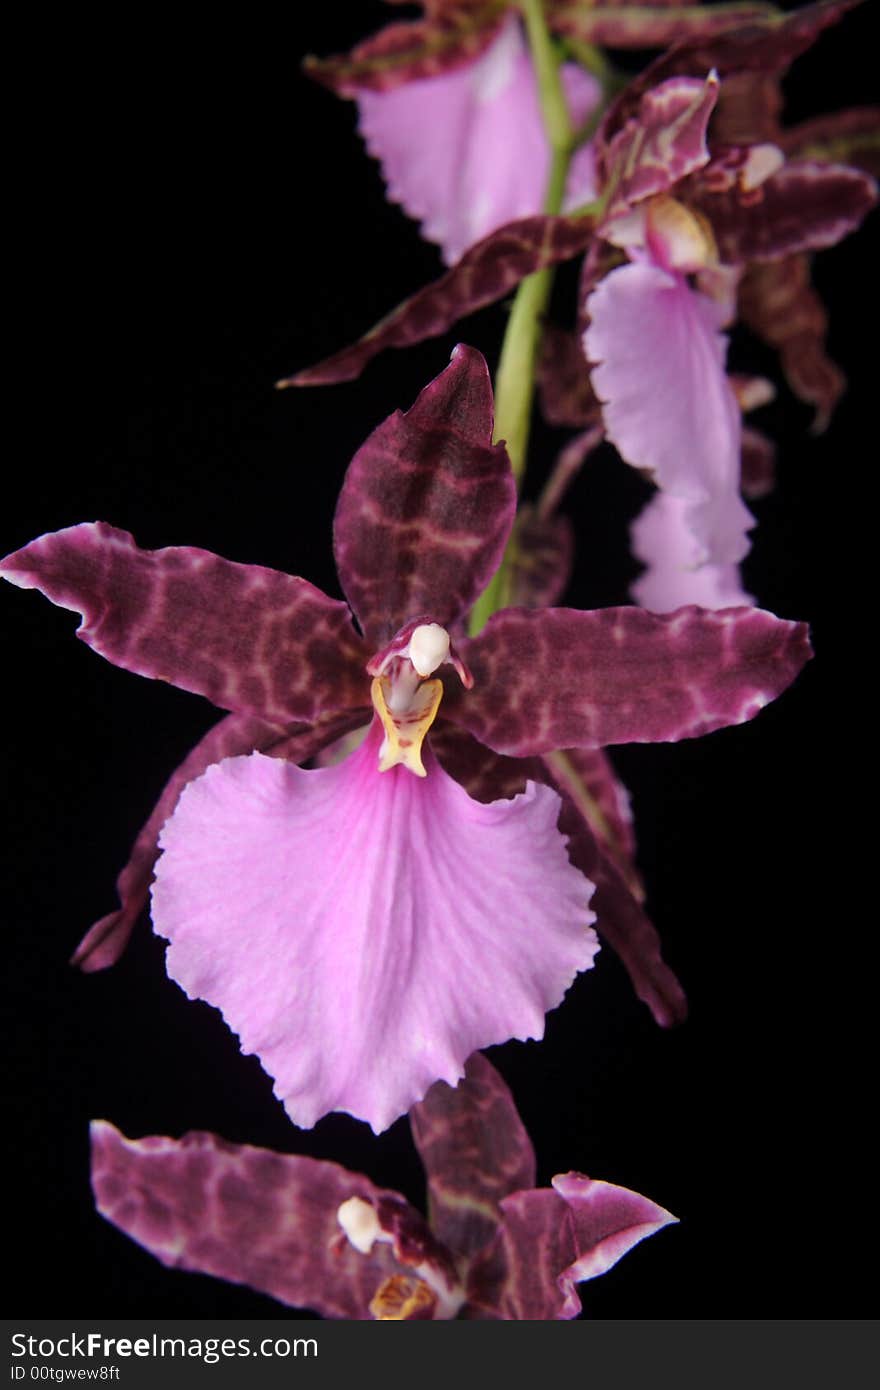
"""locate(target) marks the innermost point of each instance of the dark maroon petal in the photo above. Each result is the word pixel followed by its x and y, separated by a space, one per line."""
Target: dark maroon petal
pixel 486 272
pixel 803 207
pixel 663 142
pixel 449 35
pixel 758 464
pixel 604 802
pixel 621 25
pixel 764 46
pixel 620 918
pixel 838 137
pixel 475 1150
pixel 560 678
pixel 552 1239
pixel 566 392
pixel 778 303
pixel 427 506
pixel 105 942
pixel 252 640
pixel 542 559
pixel 748 110
pixel 248 1215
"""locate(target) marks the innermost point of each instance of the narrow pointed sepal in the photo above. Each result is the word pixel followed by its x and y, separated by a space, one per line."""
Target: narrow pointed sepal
pixel 577 679
pixel 475 1151
pixel 550 1240
pixel 427 505
pixel 252 640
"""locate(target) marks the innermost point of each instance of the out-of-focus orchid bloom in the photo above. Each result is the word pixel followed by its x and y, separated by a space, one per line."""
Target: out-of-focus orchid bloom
pixel 346 920
pixel 465 152
pixel 660 374
pixel 314 1235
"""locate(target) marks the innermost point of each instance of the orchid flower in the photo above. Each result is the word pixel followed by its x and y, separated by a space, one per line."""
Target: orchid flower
pixel 465 152
pixel 365 927
pixel 314 1235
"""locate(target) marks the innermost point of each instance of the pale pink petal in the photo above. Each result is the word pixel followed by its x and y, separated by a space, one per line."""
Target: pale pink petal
pixel 663 540
pixel 667 404
pixel 466 152
pixel 365 932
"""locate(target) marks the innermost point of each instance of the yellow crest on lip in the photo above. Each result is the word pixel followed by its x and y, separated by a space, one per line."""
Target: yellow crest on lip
pixel 403 1298
pixel 405 731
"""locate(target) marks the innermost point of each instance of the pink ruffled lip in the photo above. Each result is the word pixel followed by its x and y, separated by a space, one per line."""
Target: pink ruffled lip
pixel 348 922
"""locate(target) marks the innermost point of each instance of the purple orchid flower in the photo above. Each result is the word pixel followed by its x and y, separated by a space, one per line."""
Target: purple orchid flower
pixel 374 903
pixel 314 1235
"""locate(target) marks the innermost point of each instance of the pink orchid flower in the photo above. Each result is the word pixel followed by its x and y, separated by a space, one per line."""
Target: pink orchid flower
pixel 365 927
pixel 314 1235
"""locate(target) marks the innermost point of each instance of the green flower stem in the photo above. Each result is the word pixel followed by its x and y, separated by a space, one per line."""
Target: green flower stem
pixel 515 379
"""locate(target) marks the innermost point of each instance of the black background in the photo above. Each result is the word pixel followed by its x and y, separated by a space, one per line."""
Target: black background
pixel 196 220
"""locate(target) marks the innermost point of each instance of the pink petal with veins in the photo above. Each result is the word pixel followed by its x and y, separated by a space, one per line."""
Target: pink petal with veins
pixel 466 152
pixel 668 407
pixel 347 923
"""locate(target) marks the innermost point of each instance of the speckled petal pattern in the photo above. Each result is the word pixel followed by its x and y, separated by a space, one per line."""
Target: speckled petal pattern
pixel 552 1239
pixel 427 506
pixel 475 1150
pixel 621 675
pixel 248 1215
pixel 253 640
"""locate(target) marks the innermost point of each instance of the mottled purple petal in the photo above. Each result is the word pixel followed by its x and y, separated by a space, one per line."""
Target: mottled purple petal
pixel 427 506
pixel 542 559
pixel 368 908
pixel 803 207
pixel 620 918
pixel 248 1215
pixel 662 538
pixel 661 144
pixel 616 24
pixel 488 271
pixel 566 392
pixel 252 640
pixel 105 942
pixel 666 401
pixel 551 1240
pixel 748 110
pixel 763 46
pixel 451 33
pixel 466 152
pixel 838 137
pixel 475 1151
pixel 561 678
pixel 778 303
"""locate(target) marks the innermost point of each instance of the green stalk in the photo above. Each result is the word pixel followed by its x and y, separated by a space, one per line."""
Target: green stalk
pixel 515 379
